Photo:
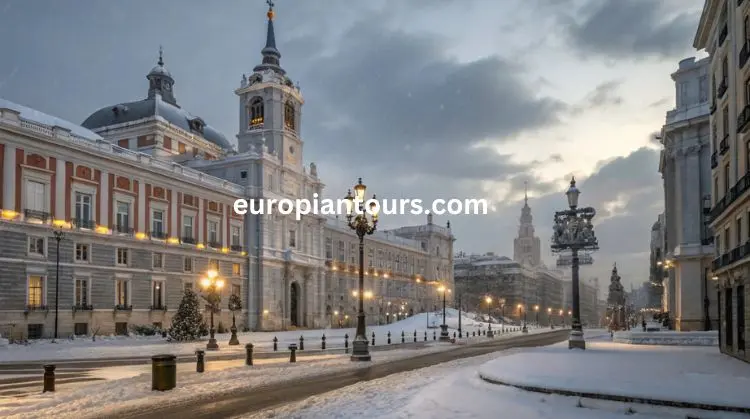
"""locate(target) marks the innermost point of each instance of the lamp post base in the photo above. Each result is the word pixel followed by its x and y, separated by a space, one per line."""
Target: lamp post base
pixel 233 339
pixel 444 336
pixel 524 329
pixel 359 349
pixel 576 341
pixel 212 345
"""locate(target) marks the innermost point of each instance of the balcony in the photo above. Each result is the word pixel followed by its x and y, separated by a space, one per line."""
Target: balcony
pixel 123 229
pixel 158 307
pixel 83 224
pixel 733 256
pixel 744 54
pixel 158 235
pixel 714 160
pixel 236 248
pixel 188 240
pixel 30 214
pixel 36 307
pixel 723 86
pixel 723 34
pixel 724 145
pixel 123 307
pixel 734 193
pixel 743 120
pixel 83 307
pixel 708 241
pixel 214 245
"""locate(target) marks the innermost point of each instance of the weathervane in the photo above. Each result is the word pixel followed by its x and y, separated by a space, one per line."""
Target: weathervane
pixel 270 4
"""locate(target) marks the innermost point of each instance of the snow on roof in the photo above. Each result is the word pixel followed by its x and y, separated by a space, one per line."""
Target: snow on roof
pixel 34 115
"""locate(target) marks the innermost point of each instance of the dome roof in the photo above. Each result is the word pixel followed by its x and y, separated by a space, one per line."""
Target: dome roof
pixel 133 111
pixel 160 70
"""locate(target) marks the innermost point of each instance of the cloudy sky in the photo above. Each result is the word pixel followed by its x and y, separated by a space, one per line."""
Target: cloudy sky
pixel 422 98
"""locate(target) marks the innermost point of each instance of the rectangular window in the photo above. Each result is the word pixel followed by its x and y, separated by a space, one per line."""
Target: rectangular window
pixel 725 122
pixel 157 223
pixel 36 291
pixel 703 88
pixel 726 179
pixel 370 256
pixel 236 290
pixel 353 254
pixel 81 297
pixel 122 293
pixel 181 148
pixel 236 269
pixel 158 295
pixel 187 286
pixel 157 260
pixel 122 256
pixel 213 265
pixel 342 251
pixel 727 237
pixel 83 208
pixel 123 217
pixel 35 196
pixel 292 238
pixel 213 229
pixel 329 248
pixel 235 236
pixel 82 252
pixel 36 246
pixel 682 94
pixel 716 188
pixel 738 232
pixel 724 70
pixel 187 226
pixel 187 264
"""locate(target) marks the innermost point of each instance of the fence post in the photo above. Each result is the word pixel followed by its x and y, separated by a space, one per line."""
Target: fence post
pixel 292 353
pixel 389 337
pixel 275 344
pixel 323 342
pixel 346 343
pixel 249 354
pixel 415 336
pixel 403 338
pixel 301 343
pixel 49 378
pixel 373 338
pixel 200 363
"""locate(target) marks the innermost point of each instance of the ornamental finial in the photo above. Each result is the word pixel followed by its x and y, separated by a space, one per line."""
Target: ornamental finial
pixel 270 13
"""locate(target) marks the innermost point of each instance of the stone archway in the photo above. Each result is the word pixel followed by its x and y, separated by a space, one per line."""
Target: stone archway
pixel 294 303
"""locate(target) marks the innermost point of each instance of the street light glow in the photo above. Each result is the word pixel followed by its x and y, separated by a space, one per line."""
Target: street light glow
pixel 536 308
pixel 488 299
pixel 212 274
pixel 441 289
pixel 205 282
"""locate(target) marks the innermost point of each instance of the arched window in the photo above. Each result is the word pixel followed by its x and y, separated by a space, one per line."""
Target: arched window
pixel 289 116
pixel 256 113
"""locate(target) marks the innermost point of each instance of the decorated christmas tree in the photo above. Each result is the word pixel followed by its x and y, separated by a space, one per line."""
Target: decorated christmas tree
pixel 187 324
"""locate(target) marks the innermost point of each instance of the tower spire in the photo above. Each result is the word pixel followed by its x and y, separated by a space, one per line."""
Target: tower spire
pixel 526 192
pixel 161 56
pixel 271 55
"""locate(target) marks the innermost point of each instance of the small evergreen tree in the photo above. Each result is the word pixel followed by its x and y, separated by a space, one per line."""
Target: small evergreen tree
pixel 187 324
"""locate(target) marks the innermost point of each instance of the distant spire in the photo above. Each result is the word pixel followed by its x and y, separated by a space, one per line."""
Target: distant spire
pixel 271 55
pixel 161 56
pixel 526 192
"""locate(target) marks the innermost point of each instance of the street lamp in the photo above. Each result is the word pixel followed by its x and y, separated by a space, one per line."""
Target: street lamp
pixel 536 311
pixel 59 235
pixel 444 336
pixel 212 286
pixel 522 308
pixel 363 226
pixel 502 315
pixel 549 317
pixel 574 232
pixel 488 300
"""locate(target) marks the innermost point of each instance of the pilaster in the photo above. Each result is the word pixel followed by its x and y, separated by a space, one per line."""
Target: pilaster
pixel 9 178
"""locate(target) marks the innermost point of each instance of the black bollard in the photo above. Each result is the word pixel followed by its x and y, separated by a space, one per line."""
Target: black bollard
pixel 301 343
pixel 474 333
pixel 163 372
pixel 249 354
pixel 292 353
pixel 454 335
pixel 415 336
pixel 460 334
pixel 389 337
pixel 434 335
pixel 373 338
pixel 403 338
pixel 200 364
pixel 323 342
pixel 425 336
pixel 275 344
pixel 346 343
pixel 49 378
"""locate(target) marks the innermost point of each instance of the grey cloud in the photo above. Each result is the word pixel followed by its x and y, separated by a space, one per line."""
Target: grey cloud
pixel 635 28
pixel 661 102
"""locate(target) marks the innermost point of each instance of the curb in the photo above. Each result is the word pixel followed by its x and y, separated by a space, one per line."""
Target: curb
pixel 619 398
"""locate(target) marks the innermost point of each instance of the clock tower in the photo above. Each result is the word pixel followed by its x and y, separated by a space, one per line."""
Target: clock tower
pixel 527 246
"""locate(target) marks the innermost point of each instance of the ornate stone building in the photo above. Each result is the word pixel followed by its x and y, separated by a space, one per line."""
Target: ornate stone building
pixel 144 195
pixel 527 247
pixel 685 167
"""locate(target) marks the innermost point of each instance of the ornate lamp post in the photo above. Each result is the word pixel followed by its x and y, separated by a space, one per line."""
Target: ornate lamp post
pixel 502 315
pixel 521 308
pixel 574 232
pixel 212 286
pixel 363 226
pixel 549 317
pixel 488 300
pixel 444 336
pixel 59 236
pixel 536 314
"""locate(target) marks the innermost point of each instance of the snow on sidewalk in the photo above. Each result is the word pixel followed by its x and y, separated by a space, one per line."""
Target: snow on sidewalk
pixel 683 374
pixel 132 392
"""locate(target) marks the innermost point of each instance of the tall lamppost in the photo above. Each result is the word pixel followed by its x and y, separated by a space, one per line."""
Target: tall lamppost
pixel 574 232
pixel 562 318
pixel 502 315
pixel 59 236
pixel 549 317
pixel 521 308
pixel 212 286
pixel 536 314
pixel 444 336
pixel 460 333
pixel 363 226
pixel 488 300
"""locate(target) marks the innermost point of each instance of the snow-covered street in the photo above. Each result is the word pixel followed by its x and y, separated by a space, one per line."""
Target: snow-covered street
pixel 455 390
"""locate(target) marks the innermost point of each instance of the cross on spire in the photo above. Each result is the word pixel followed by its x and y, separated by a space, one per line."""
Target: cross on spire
pixel 161 55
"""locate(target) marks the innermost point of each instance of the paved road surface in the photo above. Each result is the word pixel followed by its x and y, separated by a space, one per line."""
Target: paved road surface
pixel 251 400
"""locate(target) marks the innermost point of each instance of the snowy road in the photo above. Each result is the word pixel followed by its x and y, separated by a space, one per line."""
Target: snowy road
pixel 454 390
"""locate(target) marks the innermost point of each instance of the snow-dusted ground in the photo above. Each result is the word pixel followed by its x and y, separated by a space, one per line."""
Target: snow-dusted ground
pixel 637 337
pixel 119 347
pixel 454 390
pixel 675 373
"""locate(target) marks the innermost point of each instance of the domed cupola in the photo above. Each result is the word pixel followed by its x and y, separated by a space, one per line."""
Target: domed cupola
pixel 160 82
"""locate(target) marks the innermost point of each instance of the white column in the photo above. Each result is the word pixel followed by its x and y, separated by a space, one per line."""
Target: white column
pixel 142 206
pixel 9 178
pixel 199 224
pixel 224 238
pixel 173 221
pixel 106 199
pixel 60 189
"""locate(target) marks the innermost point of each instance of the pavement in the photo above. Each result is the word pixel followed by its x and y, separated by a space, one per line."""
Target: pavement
pixel 246 401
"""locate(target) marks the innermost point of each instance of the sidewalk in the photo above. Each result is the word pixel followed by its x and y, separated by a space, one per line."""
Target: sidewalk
pixel 684 377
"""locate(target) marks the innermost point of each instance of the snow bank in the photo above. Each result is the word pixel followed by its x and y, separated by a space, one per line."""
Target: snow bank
pixel 710 338
pixel 683 374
